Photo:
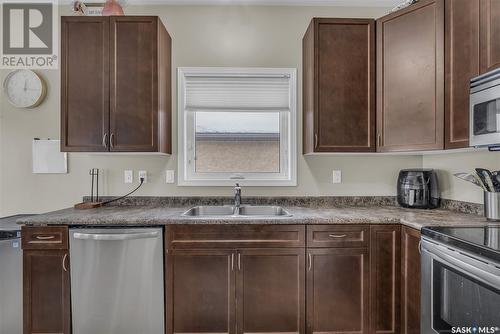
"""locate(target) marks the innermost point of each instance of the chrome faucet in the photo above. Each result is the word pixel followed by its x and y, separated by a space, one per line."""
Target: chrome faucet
pixel 237 199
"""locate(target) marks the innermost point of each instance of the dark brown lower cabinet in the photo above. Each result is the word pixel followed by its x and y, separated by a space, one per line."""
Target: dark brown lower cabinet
pixel 367 284
pixel 270 291
pixel 236 291
pixel 200 291
pixel 338 290
pixel 46 292
pixel 410 287
pixel 385 252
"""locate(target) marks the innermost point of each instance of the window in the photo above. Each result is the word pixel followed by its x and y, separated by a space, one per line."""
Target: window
pixel 237 125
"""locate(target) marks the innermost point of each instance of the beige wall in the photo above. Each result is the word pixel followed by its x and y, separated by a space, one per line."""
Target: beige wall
pixel 202 36
pixel 448 164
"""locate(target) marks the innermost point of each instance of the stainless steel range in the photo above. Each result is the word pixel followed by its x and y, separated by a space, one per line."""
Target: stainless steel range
pixel 460 280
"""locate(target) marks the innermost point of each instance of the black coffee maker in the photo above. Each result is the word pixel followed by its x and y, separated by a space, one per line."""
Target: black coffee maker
pixel 418 188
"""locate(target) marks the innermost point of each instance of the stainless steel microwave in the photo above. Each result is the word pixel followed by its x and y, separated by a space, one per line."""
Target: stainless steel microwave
pixel 485 110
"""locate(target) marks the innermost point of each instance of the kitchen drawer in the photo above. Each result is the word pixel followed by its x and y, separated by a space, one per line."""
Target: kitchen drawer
pixel 234 236
pixel 353 236
pixel 45 237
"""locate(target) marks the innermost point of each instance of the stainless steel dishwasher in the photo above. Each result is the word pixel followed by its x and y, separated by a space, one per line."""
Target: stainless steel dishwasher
pixel 117 281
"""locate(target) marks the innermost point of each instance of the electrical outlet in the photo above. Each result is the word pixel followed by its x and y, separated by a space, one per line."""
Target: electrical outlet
pixel 337 176
pixel 128 176
pixel 143 174
pixel 170 176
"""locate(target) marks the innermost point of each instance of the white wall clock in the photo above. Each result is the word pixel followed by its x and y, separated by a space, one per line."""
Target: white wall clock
pixel 24 88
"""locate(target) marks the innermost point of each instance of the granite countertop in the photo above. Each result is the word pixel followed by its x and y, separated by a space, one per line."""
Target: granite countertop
pixel 148 215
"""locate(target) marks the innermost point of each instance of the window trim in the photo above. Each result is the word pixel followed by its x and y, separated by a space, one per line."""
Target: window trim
pixel 288 178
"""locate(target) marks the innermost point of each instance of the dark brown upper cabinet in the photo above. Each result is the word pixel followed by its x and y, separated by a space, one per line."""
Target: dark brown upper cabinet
pixel 462 26
pixel 84 83
pixel 410 78
pixel 339 86
pixel 490 35
pixel 115 85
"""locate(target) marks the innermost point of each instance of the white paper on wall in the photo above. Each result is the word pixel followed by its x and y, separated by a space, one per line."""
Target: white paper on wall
pixel 47 157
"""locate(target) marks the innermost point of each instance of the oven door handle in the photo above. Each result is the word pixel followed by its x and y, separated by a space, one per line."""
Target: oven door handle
pixel 460 262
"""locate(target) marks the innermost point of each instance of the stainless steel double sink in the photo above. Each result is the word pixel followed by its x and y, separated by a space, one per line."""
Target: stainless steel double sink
pixel 244 211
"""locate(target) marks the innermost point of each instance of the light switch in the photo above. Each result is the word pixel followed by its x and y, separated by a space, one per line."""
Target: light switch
pixel 128 176
pixel 170 176
pixel 337 176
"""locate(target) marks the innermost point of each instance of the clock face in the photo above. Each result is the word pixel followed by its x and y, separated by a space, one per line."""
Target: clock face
pixel 24 88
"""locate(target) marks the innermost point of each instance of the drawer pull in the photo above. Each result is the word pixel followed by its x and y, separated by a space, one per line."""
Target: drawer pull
pixel 45 237
pixel 64 262
pixel 338 236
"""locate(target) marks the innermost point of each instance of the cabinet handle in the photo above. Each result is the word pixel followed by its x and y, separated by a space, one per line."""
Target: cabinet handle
pixel 239 261
pixel 309 257
pixel 112 140
pixel 64 262
pixel 105 140
pixel 45 237
pixel 337 235
pixel 315 140
pixel 420 247
pixel 232 261
pixel 379 140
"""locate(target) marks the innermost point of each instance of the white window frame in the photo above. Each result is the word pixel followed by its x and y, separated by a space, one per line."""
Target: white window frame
pixel 288 133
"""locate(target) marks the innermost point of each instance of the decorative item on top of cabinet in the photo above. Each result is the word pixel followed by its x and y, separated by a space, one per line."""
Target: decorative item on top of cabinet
pixel 490 35
pixel 116 84
pixel 339 85
pixel 410 78
pixel 410 281
pixel 112 7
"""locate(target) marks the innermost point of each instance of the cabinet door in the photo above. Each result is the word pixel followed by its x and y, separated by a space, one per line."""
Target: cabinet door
pixel 410 287
pixel 337 290
pixel 410 78
pixel 46 292
pixel 200 291
pixel 84 83
pixel 339 85
pixel 385 288
pixel 270 291
pixel 134 84
pixel 490 35
pixel 462 64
